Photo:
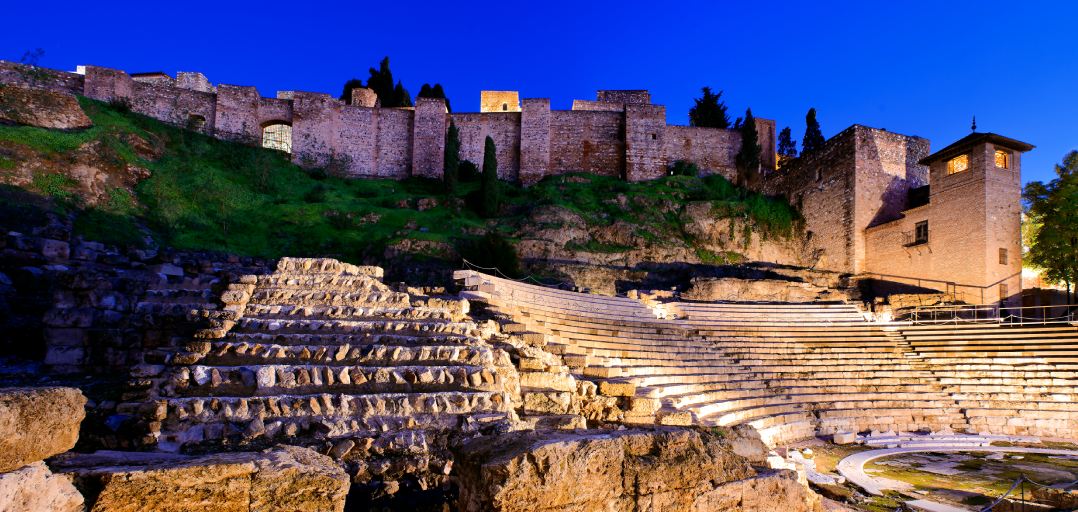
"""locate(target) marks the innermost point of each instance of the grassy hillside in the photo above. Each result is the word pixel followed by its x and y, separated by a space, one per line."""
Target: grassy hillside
pixel 205 194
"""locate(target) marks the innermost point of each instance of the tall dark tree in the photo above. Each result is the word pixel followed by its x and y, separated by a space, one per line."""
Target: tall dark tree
pixel 748 157
pixel 709 111
pixel 451 171
pixel 813 138
pixel 391 94
pixel 1054 206
pixel 346 95
pixel 436 91
pixel 787 145
pixel 489 186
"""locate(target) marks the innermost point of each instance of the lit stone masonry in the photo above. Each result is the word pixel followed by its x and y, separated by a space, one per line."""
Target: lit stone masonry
pixel 323 354
pixel 794 371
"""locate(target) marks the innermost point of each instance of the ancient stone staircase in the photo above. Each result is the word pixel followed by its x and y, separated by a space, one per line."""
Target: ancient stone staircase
pixel 322 354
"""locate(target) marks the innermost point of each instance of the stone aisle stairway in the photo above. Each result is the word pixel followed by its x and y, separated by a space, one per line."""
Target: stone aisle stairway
pixel 322 354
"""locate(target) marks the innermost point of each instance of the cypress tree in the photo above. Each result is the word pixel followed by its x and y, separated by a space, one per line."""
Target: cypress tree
pixel 787 146
pixel 451 171
pixel 813 139
pixel 709 111
pixel 748 157
pixel 489 185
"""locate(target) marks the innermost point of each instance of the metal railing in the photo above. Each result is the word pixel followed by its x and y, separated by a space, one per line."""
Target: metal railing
pixel 1020 486
pixel 994 313
pixel 956 291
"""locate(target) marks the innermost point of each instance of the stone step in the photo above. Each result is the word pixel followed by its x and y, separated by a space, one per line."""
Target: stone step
pixel 269 380
pixel 230 352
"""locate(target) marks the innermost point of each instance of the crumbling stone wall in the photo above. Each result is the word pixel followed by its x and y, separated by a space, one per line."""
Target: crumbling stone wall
pixel 504 128
pixel 711 149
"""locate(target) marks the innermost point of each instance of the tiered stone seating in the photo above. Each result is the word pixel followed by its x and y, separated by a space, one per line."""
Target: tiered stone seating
pixel 1013 380
pixel 322 353
pixel 797 370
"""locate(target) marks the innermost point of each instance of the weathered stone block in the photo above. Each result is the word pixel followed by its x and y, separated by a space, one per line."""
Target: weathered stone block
pixel 33 488
pixel 41 108
pixel 655 469
pixel 282 479
pixel 36 423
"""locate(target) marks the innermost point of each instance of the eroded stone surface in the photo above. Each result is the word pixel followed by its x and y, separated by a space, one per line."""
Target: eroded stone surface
pixel 42 108
pixel 284 478
pixel 33 488
pixel 36 423
pixel 654 469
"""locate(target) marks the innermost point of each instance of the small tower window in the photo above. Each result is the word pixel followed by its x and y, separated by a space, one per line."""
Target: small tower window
pixel 1002 255
pixel 653 136
pixel 505 107
pixel 958 164
pixel 1003 159
pixel 1003 292
pixel 920 233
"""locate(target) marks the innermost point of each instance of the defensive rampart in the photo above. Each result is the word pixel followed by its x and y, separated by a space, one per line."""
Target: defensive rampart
pixel 620 134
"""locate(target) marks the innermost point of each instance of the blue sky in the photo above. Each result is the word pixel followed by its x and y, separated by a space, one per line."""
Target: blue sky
pixel 919 68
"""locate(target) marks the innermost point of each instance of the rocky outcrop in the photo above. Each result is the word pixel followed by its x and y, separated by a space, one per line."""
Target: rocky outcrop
pixel 763 290
pixel 662 469
pixel 36 423
pixel 41 108
pixel 33 488
pixel 284 478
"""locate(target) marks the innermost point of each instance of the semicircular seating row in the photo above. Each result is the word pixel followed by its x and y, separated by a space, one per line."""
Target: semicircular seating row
pixel 798 370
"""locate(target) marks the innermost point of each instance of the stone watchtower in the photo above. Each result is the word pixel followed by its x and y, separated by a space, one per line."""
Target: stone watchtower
pixel 974 213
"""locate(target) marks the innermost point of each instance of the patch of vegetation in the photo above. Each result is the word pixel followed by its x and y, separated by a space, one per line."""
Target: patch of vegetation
pixel 6 163
pixel 207 194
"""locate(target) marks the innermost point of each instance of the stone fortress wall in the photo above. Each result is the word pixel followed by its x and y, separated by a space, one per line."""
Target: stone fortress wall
pixel 620 134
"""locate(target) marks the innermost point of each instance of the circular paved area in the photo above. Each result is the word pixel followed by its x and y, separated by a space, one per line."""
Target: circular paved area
pixel 853 467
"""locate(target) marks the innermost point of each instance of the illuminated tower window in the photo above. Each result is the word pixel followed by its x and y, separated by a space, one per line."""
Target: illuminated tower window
pixel 277 136
pixel 958 164
pixel 1003 159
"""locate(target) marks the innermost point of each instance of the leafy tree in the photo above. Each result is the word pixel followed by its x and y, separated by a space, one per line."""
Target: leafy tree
pixel 346 94
pixel 787 146
pixel 748 157
pixel 709 111
pixel 451 171
pixel 427 91
pixel 813 138
pixel 1054 205
pixel 489 186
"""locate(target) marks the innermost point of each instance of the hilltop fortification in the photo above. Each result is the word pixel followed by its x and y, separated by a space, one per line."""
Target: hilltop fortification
pixel 620 134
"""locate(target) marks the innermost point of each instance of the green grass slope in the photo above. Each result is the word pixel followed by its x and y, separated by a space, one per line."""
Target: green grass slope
pixel 206 194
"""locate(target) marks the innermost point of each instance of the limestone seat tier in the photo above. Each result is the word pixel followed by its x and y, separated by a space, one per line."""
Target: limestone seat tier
pixel 798 370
